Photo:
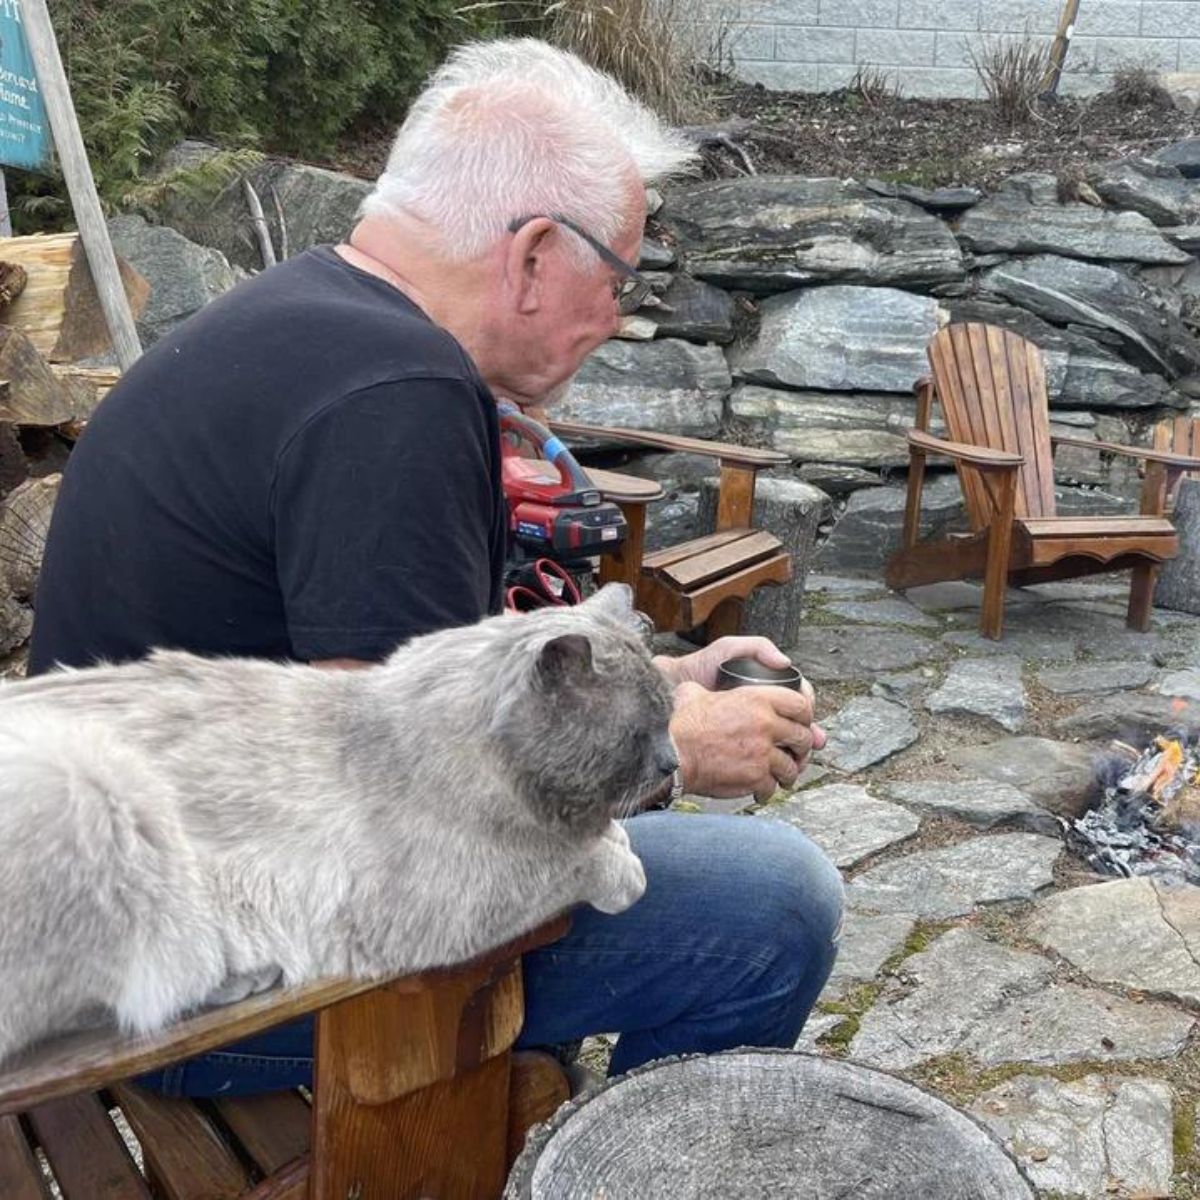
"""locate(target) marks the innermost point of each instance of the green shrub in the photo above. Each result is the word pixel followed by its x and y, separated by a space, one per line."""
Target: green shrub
pixel 285 75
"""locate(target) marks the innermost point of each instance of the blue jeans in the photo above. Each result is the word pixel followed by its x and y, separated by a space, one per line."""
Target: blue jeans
pixel 730 946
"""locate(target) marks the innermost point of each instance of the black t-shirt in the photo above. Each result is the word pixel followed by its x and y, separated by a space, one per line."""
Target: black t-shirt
pixel 308 468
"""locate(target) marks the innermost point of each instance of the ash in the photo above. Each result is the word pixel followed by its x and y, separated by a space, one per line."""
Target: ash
pixel 1148 821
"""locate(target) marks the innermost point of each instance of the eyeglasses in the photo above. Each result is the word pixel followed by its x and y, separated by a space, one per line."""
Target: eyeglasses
pixel 635 289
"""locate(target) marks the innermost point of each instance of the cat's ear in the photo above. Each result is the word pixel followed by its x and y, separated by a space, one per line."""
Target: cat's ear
pixel 568 656
pixel 612 600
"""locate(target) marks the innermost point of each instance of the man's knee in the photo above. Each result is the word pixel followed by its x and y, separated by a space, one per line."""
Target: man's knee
pixel 797 892
pixel 763 889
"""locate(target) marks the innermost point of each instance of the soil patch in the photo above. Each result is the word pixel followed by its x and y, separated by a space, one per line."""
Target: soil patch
pixel 929 143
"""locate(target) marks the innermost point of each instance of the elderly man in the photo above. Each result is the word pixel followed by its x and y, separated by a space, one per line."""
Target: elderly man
pixel 309 469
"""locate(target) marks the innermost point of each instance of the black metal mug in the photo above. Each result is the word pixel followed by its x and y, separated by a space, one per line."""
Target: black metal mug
pixel 749 672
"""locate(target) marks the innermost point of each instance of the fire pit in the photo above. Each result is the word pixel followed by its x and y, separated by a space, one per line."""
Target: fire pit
pixel 1148 820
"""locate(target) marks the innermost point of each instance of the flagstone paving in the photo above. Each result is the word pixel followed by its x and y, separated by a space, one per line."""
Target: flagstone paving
pixel 982 802
pixel 990 688
pixel 953 880
pixel 845 821
pixel 1093 1137
pixel 980 957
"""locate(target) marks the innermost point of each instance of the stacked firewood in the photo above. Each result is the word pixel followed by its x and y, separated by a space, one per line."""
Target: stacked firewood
pixel 51 325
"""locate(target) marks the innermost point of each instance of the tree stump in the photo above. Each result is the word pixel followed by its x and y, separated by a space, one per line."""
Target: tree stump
pixel 791 510
pixel 756 1123
pixel 1178 584
pixel 24 523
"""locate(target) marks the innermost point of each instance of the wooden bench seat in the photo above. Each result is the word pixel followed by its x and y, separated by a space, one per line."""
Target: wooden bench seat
pixel 689 581
pixel 702 583
pixel 416 1093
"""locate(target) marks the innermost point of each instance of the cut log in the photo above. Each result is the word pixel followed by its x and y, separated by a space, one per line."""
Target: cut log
pixel 59 309
pixel 24 523
pixel 14 467
pixel 87 386
pixel 13 278
pixel 1178 586
pixel 34 395
pixel 791 510
pixel 763 1123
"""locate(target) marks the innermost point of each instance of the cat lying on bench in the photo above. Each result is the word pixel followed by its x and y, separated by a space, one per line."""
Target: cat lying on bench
pixel 184 830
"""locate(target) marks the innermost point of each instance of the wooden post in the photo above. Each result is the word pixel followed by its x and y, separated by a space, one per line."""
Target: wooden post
pixel 1060 46
pixel 72 158
pixel 5 211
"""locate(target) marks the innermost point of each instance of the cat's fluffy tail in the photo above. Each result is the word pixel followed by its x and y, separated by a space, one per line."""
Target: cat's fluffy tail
pixel 103 906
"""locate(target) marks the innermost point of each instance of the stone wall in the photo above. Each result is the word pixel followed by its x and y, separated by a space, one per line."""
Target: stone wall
pixel 802 309
pixel 796 315
pixel 817 45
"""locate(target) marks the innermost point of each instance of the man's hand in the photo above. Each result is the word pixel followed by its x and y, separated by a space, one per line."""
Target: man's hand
pixel 750 739
pixel 701 666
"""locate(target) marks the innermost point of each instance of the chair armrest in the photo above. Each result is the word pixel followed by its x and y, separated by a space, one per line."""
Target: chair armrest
pixel 85 1061
pixel 979 457
pixel 1182 461
pixel 744 456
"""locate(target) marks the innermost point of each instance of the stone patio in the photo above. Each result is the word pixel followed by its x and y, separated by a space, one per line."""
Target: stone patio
pixel 979 957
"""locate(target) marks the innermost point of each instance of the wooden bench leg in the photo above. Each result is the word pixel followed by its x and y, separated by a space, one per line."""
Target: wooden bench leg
pixel 411 1092
pixel 724 620
pixel 1141 596
pixel 537 1086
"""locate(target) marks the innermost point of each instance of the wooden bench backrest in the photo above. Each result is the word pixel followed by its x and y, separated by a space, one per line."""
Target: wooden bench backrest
pixel 991 384
pixel 1180 435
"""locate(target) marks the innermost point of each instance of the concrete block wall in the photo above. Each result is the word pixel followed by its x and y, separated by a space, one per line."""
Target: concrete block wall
pixel 924 45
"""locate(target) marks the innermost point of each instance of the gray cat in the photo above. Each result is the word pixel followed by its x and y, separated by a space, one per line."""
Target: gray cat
pixel 185 830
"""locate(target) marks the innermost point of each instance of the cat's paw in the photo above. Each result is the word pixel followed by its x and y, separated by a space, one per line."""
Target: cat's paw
pixel 620 883
pixel 238 987
pixel 616 833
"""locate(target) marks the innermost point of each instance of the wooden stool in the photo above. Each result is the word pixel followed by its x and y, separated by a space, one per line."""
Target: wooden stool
pixel 416 1093
pixel 707 580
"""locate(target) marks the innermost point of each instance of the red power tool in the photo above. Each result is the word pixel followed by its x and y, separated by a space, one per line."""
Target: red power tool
pixel 563 517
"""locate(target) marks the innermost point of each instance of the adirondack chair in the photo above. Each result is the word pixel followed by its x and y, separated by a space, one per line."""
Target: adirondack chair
pixel 706 581
pixel 1178 435
pixel 416 1093
pixel 992 388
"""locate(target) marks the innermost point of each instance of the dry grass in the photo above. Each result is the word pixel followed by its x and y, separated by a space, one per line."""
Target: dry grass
pixel 1137 87
pixel 874 86
pixel 1011 71
pixel 658 49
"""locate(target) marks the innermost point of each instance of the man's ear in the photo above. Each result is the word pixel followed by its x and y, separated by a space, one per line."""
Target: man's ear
pixel 526 263
pixel 568 656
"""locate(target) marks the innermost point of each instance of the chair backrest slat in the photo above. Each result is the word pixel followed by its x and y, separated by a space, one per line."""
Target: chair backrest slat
pixel 992 387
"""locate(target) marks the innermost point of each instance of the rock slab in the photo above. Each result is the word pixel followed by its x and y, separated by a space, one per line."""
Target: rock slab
pixel 952 880
pixel 867 943
pixel 1138 933
pixel 1096 677
pixel 1059 776
pixel 835 653
pixel 990 688
pixel 840 339
pixel 981 802
pixel 668 385
pixel 1095 1136
pixel 864 732
pixel 847 822
pixel 1010 1011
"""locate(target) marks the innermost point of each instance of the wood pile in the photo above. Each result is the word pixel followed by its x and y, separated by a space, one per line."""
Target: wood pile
pixel 51 323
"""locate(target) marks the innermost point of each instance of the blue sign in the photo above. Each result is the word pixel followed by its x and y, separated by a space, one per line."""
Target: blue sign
pixel 24 135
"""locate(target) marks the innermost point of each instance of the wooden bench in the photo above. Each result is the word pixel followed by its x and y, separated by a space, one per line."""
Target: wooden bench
pixel 416 1093
pixel 706 581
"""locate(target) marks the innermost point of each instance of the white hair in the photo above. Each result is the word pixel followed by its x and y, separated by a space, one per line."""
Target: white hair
pixel 513 128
